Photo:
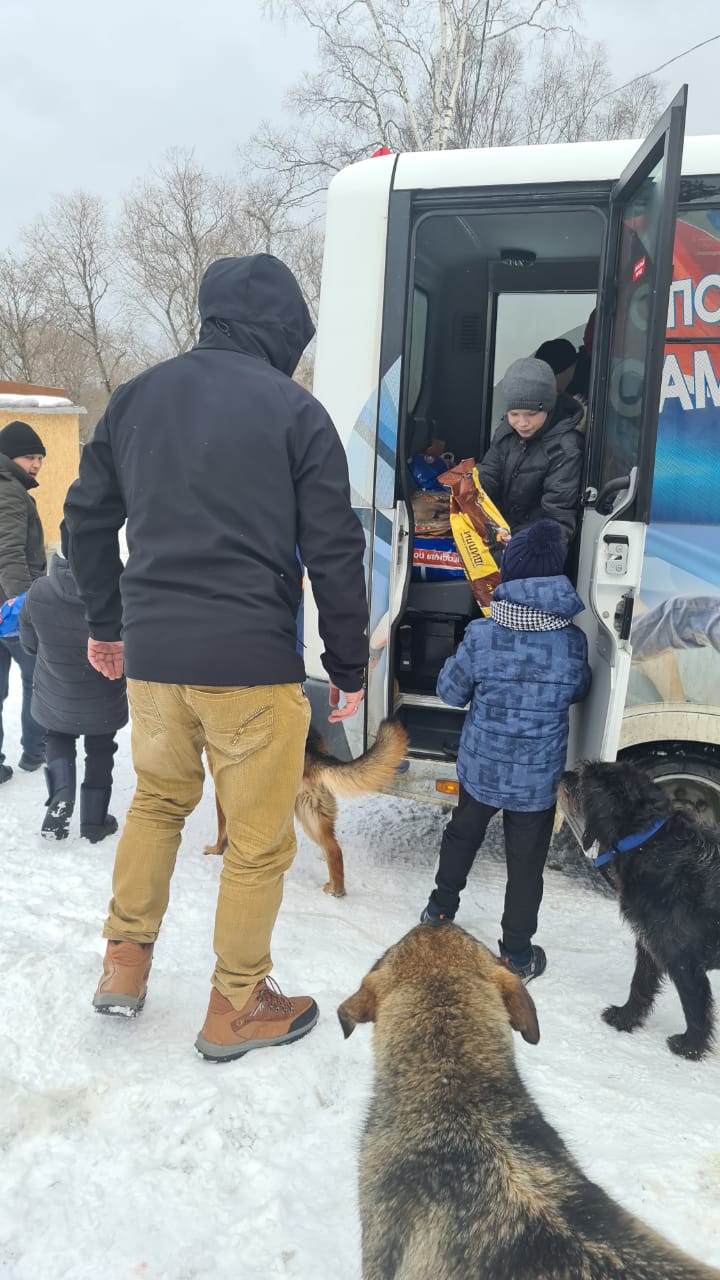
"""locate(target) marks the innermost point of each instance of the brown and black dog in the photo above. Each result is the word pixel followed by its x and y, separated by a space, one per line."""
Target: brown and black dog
pixel 324 779
pixel 460 1174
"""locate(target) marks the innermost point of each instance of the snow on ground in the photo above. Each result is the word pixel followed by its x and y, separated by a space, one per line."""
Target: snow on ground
pixel 126 1155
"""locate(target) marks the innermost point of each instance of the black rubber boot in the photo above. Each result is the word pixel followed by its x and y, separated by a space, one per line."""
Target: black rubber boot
pixel 60 779
pixel 95 821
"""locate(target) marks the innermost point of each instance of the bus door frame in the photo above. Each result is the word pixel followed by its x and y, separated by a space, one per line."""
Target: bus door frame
pixel 616 513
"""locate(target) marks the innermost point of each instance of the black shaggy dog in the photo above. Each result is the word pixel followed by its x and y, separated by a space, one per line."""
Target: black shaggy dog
pixel 665 867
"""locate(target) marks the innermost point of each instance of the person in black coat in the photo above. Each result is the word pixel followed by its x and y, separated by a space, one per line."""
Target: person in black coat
pixel 223 468
pixel 71 700
pixel 561 355
pixel 22 559
pixel 533 468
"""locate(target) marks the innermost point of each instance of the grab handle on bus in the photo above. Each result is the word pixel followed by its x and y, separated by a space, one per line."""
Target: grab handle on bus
pixel 609 491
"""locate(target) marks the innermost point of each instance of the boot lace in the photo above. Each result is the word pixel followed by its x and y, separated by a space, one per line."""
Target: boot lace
pixel 271 997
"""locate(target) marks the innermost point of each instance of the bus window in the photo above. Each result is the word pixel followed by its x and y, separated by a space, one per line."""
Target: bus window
pixel 524 320
pixel 635 285
pixel 416 362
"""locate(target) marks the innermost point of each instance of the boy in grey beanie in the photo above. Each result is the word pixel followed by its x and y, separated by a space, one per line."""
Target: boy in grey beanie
pixel 533 468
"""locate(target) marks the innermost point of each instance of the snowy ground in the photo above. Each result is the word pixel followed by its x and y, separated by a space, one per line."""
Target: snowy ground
pixel 125 1155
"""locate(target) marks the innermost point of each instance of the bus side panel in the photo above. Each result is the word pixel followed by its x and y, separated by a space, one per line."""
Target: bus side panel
pixel 384 550
pixel 347 364
pixel 676 627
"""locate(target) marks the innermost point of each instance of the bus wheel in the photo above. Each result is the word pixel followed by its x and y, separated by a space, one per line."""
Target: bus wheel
pixel 691 776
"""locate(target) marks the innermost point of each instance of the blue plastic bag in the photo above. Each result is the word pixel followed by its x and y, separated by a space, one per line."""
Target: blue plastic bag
pixel 10 615
pixel 425 470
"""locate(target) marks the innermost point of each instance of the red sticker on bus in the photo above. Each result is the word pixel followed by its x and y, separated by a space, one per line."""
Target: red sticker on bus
pixel 639 269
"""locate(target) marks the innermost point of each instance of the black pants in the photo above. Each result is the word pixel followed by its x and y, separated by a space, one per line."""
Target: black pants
pixel 527 840
pixel 32 734
pixel 99 751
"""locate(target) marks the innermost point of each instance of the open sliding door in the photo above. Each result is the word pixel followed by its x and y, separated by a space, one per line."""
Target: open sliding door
pixel 629 344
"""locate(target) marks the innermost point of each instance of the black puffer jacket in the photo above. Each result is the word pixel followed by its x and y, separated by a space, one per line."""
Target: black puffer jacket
pixel 539 478
pixel 68 695
pixel 222 466
pixel 22 544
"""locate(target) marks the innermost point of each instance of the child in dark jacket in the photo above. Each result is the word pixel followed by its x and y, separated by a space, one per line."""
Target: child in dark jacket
pixel 71 700
pixel 520 670
pixel 533 468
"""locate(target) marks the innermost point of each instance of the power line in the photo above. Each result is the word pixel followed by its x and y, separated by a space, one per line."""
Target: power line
pixel 662 66
pixel 635 79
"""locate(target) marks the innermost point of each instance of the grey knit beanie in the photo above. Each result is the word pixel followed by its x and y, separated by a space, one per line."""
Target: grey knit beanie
pixel 529 384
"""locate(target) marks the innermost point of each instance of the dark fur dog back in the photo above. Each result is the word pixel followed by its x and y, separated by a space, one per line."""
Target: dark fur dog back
pixel 668 888
pixel 461 1177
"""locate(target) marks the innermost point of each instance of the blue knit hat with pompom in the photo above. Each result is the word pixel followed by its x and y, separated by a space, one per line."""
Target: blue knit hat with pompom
pixel 535 552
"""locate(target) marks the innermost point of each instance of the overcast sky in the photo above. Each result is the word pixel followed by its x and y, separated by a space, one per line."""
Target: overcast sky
pixel 93 92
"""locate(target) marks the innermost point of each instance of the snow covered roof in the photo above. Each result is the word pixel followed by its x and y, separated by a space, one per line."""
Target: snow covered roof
pixel 25 396
pixel 14 401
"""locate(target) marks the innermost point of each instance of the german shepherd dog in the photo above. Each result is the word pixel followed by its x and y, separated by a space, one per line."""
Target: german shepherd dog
pixel 324 779
pixel 461 1177
pixel 668 886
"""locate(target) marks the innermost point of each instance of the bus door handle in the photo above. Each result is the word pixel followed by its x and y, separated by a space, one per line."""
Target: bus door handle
pixel 609 490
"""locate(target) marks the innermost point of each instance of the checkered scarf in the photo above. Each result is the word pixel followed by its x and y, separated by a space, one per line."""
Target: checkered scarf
pixel 520 617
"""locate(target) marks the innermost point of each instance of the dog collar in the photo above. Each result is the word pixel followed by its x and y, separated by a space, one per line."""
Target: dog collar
pixel 628 843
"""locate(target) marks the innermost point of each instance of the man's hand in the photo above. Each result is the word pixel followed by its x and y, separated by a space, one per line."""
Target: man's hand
pixel 352 702
pixel 106 656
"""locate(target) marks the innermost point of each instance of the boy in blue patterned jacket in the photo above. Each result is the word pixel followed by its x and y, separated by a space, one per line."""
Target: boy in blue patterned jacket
pixel 520 669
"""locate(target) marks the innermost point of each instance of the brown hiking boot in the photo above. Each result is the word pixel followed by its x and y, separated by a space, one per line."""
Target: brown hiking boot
pixel 268 1018
pixel 123 985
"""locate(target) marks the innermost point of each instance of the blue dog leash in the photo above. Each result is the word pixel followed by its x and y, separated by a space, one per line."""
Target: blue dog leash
pixel 628 843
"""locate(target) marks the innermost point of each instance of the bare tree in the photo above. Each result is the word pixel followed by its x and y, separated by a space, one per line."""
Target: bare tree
pixel 24 319
pixel 73 247
pixel 572 98
pixel 66 361
pixel 434 74
pixel 37 346
pixel 428 75
pixel 174 226
pixel 631 111
pixel 487 105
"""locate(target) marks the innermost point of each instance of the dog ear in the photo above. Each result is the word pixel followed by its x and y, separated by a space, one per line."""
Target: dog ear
pixel 359 1007
pixel 520 1007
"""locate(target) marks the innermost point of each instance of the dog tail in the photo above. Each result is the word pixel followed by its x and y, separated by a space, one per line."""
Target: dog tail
pixel 370 772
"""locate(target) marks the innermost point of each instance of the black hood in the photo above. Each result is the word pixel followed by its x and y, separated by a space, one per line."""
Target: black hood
pixel 61 578
pixel 255 305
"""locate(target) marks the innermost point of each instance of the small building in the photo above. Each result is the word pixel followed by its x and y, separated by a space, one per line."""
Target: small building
pixel 57 421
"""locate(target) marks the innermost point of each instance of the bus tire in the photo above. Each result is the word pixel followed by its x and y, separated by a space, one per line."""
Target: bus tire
pixel 689 772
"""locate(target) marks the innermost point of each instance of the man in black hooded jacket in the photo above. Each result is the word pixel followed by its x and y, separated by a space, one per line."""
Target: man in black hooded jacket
pixel 222 467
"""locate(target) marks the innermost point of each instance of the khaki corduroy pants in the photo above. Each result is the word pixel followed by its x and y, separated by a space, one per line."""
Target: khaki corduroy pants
pixel 256 736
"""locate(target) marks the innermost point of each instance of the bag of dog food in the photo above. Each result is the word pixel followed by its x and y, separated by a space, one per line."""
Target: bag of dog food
pixel 431 513
pixel 478 528
pixel 436 560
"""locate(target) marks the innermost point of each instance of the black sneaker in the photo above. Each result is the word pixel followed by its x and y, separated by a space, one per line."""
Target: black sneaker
pixel 6 773
pixel 536 965
pixel 30 763
pixel 433 915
